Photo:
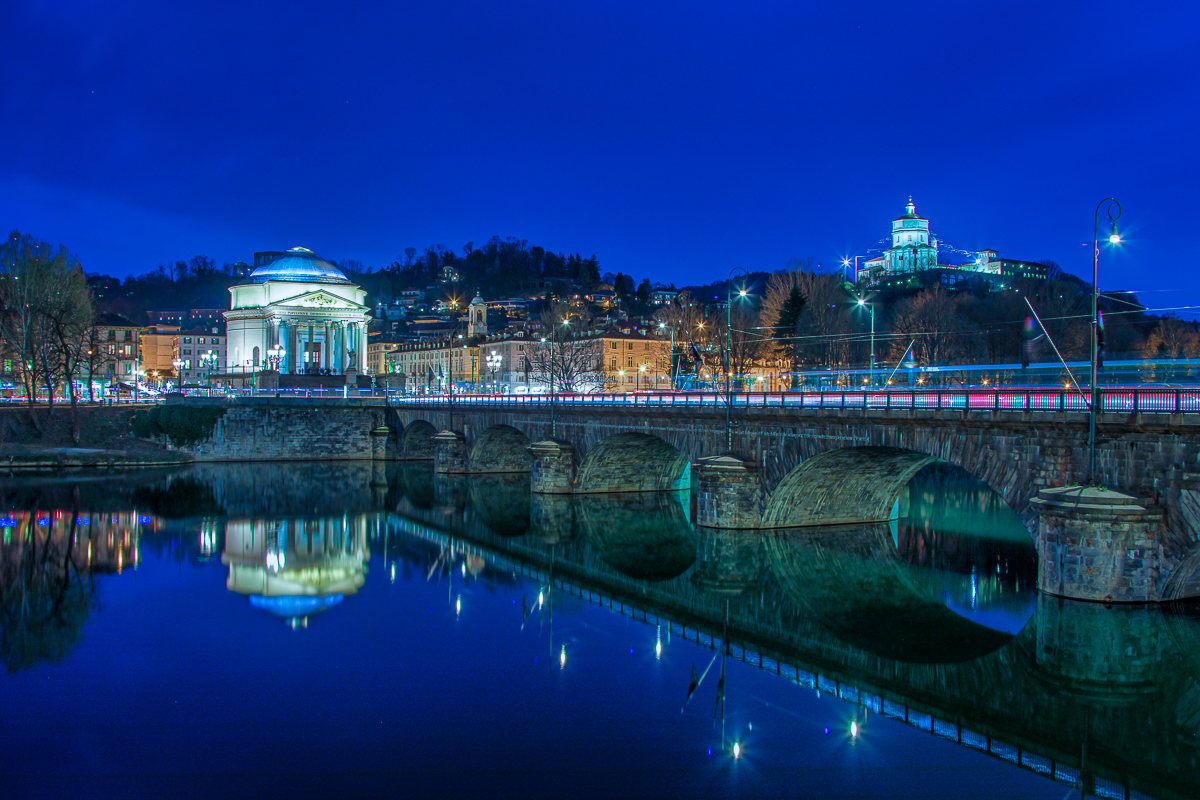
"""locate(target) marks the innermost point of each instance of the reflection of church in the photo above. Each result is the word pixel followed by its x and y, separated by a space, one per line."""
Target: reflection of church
pixel 296 567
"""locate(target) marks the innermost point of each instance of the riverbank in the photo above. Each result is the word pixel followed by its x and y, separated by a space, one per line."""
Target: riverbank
pixel 105 440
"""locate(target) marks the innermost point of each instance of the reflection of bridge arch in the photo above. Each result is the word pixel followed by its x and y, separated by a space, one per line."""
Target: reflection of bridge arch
pixel 416 441
pixel 849 485
pixel 851 580
pixel 643 535
pixel 500 448
pixel 501 502
pixel 633 462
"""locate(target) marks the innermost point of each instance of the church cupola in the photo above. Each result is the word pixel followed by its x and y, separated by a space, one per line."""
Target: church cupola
pixel 477 324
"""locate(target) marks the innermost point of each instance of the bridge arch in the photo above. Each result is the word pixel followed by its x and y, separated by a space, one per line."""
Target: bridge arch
pixel 844 486
pixel 633 462
pixel 500 448
pixel 416 441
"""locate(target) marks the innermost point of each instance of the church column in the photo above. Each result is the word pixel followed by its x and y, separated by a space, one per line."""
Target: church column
pixel 362 337
pixel 326 361
pixel 341 343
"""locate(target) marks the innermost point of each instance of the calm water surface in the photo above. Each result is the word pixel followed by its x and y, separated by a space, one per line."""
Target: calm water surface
pixel 330 630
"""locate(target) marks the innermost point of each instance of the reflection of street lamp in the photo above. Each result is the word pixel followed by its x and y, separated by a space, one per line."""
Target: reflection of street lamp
pixel 729 353
pixel 871 306
pixel 1114 238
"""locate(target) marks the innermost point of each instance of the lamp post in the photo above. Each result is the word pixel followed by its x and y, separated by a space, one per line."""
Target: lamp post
pixel 275 357
pixel 846 267
pixel 670 358
pixel 871 306
pixel 1110 205
pixel 493 361
pixel 641 369
pixel 207 360
pixel 729 353
pixel 553 402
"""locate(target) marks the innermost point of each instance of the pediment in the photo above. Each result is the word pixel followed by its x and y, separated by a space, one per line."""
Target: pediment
pixel 319 299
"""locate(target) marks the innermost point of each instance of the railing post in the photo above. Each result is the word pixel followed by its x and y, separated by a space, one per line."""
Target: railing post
pixel 1178 401
pixel 1136 404
pixel 939 398
pixel 1028 403
pixel 1062 401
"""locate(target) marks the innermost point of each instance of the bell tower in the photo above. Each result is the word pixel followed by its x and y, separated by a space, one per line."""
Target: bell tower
pixel 477 317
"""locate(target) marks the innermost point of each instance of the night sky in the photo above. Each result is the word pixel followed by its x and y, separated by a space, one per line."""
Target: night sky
pixel 674 141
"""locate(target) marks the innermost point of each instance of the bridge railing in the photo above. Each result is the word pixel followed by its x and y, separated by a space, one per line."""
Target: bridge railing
pixel 1112 400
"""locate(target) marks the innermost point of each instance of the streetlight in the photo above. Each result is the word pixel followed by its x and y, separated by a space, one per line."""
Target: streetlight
pixel 729 353
pixel 846 266
pixel 1113 238
pixel 493 361
pixel 275 357
pixel 554 335
pixel 641 369
pixel 871 306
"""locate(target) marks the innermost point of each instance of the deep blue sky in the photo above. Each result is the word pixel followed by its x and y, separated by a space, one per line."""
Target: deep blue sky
pixel 672 140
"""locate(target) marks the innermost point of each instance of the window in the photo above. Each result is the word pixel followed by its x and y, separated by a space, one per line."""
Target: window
pixel 187 340
pixel 200 340
pixel 253 356
pixel 614 362
pixel 520 348
pixel 614 345
pixel 630 360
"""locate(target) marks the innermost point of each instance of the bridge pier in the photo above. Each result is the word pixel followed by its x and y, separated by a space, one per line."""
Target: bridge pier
pixel 450 452
pixel 1097 544
pixel 729 495
pixel 552 470
pixel 379 442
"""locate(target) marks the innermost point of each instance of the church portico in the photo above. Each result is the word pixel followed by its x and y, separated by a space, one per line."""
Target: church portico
pixel 299 315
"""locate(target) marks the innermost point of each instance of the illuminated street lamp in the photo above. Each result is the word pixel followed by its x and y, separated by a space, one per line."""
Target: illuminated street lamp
pixel 729 353
pixel 1113 238
pixel 493 362
pixel 865 304
pixel 275 357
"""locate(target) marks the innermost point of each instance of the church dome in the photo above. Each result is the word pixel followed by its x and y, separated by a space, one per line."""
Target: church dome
pixel 298 265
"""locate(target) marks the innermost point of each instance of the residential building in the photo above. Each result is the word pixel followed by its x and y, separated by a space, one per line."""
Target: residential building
pixel 117 353
pixel 160 348
pixel 202 353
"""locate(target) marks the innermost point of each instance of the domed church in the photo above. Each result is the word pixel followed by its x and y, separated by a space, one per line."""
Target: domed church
pixel 298 314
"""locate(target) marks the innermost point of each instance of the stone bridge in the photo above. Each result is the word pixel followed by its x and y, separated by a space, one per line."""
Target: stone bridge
pixel 793 467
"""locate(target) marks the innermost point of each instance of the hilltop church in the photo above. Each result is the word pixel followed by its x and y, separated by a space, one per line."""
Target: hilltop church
pixel 912 260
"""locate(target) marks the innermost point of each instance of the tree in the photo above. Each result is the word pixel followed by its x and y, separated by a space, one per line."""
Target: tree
pixel 786 330
pixel 566 352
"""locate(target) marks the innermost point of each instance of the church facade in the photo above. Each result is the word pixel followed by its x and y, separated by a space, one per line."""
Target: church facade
pixel 297 314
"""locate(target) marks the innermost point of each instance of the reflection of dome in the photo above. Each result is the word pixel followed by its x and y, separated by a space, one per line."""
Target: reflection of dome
pixel 293 606
pixel 298 265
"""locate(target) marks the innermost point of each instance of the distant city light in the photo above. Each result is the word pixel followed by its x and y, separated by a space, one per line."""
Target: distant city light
pixel 853 730
pixel 737 751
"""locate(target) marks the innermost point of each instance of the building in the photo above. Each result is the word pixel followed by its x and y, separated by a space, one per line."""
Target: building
pixel 622 358
pixel 118 357
pixel 202 353
pixel 660 297
pixel 378 347
pixel 296 313
pixel 160 348
pixel 912 260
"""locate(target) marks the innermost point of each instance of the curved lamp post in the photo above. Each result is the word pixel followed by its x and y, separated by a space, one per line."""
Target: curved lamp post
pixel 729 352
pixel 1110 205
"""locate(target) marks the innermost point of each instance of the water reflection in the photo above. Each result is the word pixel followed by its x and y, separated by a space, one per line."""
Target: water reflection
pixel 47 560
pixel 932 619
pixel 296 567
